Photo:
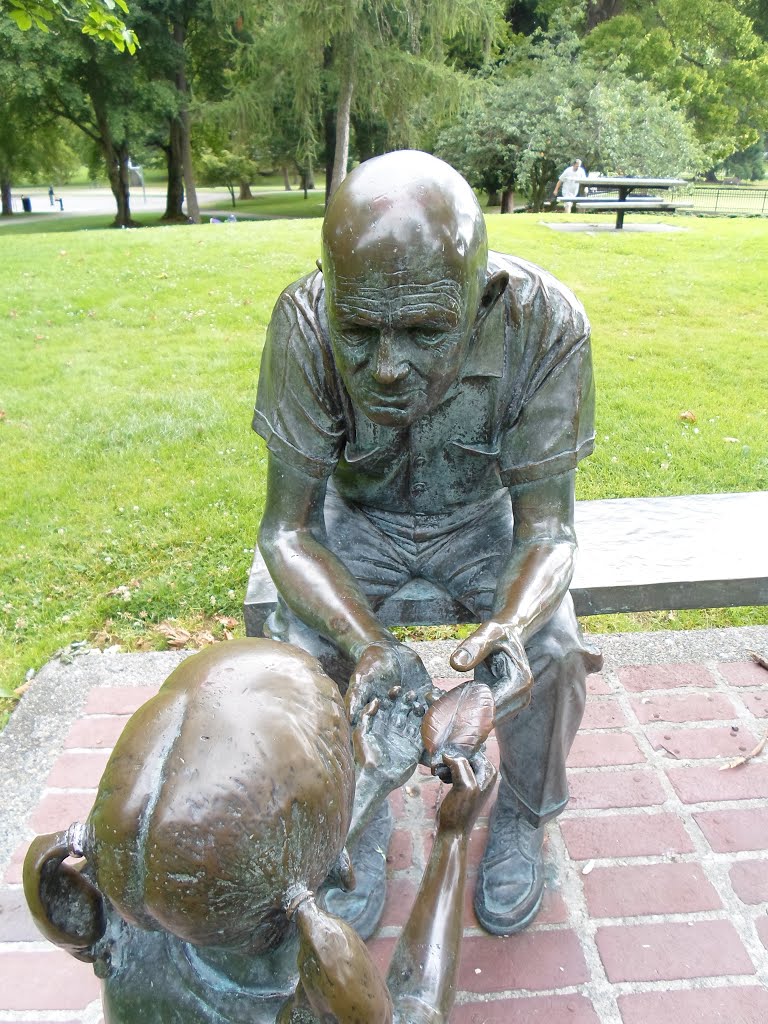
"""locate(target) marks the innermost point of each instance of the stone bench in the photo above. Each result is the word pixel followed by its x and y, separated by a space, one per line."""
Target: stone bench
pixel 635 554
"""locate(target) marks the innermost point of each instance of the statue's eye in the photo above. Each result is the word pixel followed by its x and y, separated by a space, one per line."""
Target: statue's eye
pixel 357 334
pixel 427 336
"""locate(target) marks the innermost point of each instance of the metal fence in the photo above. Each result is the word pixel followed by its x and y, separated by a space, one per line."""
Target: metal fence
pixel 732 199
pixel 728 200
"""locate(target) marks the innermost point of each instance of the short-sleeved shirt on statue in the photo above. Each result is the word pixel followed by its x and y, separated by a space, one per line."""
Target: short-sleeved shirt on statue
pixel 521 409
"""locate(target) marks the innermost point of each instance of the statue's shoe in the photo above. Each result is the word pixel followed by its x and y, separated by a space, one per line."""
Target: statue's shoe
pixel 362 906
pixel 510 880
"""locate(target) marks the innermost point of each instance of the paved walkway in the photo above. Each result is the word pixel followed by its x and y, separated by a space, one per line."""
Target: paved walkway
pixel 656 907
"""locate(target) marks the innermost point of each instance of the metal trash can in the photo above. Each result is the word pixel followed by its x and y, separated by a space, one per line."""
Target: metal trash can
pixel 26 204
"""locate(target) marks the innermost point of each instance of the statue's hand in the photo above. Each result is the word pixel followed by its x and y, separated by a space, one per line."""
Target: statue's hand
pixel 387 741
pixel 498 655
pixel 384 669
pixel 471 784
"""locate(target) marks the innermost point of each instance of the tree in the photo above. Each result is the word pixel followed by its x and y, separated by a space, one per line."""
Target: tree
pixel 96 18
pixel 32 145
pixel 551 105
pixel 705 54
pixel 352 60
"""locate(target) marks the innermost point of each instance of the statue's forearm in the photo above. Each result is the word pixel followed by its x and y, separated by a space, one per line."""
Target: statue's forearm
pixel 425 961
pixel 532 584
pixel 320 590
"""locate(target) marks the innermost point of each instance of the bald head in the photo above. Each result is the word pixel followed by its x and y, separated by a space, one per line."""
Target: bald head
pixel 400 211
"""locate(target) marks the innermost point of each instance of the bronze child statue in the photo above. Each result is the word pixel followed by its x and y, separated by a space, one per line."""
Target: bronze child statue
pixel 425 403
pixel 224 807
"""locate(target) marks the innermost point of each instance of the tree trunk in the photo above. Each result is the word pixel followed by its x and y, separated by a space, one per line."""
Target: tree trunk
pixel 599 11
pixel 507 200
pixel 5 189
pixel 116 160
pixel 245 190
pixel 330 149
pixel 493 197
pixel 182 87
pixel 174 200
pixel 341 156
pixel 286 178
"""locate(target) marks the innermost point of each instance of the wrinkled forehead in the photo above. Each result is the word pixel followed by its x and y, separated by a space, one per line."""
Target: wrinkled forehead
pixel 398 298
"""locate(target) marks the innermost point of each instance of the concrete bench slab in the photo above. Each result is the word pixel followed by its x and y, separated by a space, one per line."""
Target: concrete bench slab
pixel 635 554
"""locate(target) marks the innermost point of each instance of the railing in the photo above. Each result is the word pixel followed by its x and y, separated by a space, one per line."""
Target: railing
pixel 720 199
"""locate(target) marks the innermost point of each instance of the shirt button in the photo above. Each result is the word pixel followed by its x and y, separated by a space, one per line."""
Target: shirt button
pixel 419 488
pixel 419 462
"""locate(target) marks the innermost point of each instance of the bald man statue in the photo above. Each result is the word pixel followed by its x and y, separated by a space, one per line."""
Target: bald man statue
pixel 425 403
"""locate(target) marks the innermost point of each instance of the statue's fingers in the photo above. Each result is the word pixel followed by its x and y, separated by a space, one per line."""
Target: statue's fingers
pixel 461 772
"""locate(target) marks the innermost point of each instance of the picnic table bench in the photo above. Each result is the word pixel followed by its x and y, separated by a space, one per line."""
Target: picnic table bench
pixel 626 201
pixel 635 554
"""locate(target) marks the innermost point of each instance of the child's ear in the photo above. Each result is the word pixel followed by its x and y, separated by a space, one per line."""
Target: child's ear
pixel 67 908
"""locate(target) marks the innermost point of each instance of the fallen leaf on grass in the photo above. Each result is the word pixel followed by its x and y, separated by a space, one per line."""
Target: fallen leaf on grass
pixel 747 757
pixel 761 661
pixel 175 636
pixel 21 690
pixel 227 621
pixel 687 416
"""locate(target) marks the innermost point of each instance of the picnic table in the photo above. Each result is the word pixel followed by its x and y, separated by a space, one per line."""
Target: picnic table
pixel 626 200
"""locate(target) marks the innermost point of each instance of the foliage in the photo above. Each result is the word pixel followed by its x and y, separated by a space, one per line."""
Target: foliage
pixel 705 54
pixel 387 54
pixel 97 18
pixel 226 167
pixel 32 146
pixel 749 164
pixel 551 104
pixel 138 484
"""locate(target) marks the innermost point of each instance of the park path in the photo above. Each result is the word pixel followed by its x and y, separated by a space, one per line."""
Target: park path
pixel 656 908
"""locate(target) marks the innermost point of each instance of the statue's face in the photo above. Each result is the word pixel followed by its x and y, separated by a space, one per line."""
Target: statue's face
pixel 401 338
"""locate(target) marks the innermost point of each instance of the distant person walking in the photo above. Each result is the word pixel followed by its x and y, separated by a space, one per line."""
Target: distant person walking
pixel 569 182
pixel 50 194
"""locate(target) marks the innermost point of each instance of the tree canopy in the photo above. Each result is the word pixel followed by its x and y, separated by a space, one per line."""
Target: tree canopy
pixel 97 18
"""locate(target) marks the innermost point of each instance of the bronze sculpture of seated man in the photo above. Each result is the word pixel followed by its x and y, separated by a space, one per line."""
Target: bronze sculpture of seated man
pixel 225 805
pixel 424 404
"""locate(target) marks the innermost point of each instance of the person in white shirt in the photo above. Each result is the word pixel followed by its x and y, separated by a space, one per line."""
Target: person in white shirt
pixel 569 182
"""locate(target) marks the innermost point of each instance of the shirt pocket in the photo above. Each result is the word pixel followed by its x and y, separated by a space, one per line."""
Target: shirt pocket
pixel 473 470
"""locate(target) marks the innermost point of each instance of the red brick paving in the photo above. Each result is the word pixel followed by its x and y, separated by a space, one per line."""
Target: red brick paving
pixel 625 835
pixel 637 678
pixel 684 707
pixel 658 870
pixel 734 831
pixel 709 741
pixel 749 879
pixel 726 1005
pixel 636 787
pixel 644 889
pixel 671 951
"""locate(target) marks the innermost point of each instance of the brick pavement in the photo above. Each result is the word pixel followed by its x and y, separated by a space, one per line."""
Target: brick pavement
pixel 656 907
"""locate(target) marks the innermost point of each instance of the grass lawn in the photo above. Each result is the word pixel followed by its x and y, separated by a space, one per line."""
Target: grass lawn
pixel 132 484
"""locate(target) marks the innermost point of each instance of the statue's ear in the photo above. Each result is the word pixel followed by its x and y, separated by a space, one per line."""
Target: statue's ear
pixel 66 906
pixel 492 292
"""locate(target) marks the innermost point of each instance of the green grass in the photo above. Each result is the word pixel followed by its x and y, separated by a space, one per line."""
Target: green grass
pixel 132 484
pixel 279 203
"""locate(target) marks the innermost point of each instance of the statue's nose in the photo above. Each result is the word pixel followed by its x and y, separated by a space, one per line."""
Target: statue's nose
pixel 390 366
